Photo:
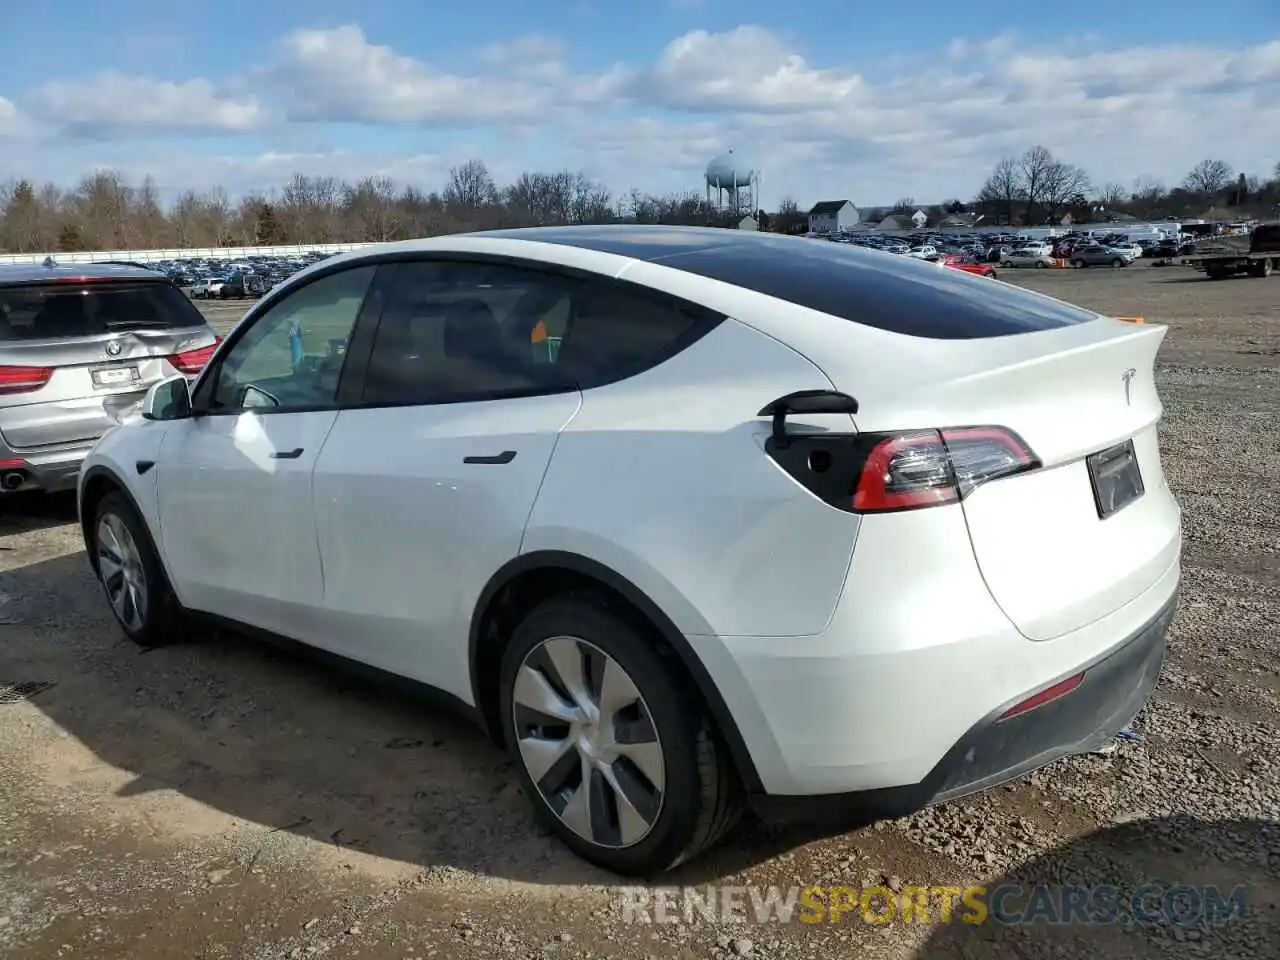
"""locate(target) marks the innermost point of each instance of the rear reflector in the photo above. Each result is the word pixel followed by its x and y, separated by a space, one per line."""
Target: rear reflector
pixel 12 464
pixel 23 379
pixel 1047 695
pixel 193 361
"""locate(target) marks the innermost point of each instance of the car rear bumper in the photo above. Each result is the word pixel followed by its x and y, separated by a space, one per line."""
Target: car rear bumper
pixel 50 471
pixel 911 666
pixel 997 749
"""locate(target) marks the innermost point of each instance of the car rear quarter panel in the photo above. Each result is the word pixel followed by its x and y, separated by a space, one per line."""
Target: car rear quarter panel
pixel 664 479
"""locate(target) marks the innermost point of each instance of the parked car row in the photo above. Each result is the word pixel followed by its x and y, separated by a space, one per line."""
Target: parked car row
pixel 1009 250
pixel 207 278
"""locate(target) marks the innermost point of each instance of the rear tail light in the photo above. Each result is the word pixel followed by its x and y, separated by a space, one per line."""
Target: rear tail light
pixel 193 361
pixel 930 467
pixel 908 470
pixel 23 379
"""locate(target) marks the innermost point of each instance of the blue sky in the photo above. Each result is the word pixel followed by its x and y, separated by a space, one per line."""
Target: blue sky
pixel 869 101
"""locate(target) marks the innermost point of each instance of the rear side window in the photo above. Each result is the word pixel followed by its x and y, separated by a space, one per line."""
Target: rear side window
pixel 879 290
pixel 455 331
pixel 56 310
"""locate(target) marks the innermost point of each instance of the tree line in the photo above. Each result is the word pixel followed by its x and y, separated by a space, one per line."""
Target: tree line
pixel 105 212
pixel 1038 188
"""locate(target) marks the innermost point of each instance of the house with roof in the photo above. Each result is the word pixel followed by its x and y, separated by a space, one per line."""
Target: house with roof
pixel 833 216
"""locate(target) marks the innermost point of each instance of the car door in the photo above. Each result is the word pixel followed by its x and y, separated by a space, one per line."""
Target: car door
pixel 234 487
pixel 423 491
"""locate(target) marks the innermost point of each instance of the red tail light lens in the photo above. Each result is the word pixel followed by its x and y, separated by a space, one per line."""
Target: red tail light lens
pixel 193 361
pixel 926 468
pixel 23 379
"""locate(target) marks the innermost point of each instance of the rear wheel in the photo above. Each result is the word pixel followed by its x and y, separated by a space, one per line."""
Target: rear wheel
pixel 131 574
pixel 613 746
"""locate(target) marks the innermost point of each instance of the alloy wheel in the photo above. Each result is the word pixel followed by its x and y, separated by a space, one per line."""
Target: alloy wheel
pixel 121 571
pixel 588 742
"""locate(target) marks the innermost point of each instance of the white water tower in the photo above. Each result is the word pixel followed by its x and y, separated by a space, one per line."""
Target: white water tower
pixel 733 185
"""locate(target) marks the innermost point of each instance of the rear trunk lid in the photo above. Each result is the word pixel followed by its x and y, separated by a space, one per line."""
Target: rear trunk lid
pixel 1051 561
pixel 100 345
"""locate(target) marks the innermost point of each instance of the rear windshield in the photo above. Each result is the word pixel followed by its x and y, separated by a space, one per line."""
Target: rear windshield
pixel 38 311
pixel 882 290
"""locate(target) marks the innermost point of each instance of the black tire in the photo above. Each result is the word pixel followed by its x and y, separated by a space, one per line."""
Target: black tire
pixel 993 275
pixel 1079 264
pixel 1117 262
pixel 702 797
pixel 1039 264
pixel 161 619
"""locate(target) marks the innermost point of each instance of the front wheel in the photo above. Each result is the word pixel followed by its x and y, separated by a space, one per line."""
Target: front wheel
pixel 1117 262
pixel 131 575
pixel 612 745
pixel 1039 264
pixel 1079 264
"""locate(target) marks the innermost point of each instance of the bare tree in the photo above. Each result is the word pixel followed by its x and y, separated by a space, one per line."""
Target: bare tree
pixel 1003 188
pixel 1112 195
pixel 1063 185
pixel 1208 177
pixel 470 189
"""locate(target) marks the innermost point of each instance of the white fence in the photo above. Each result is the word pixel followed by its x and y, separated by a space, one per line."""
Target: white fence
pixel 180 253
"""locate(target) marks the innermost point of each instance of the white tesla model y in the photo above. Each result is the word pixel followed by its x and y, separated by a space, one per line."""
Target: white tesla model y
pixel 688 519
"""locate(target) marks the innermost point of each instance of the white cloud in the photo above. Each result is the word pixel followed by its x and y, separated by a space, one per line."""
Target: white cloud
pixel 337 75
pixel 930 127
pixel 747 68
pixel 114 104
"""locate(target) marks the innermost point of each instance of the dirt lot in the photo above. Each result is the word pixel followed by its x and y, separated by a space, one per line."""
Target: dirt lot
pixel 218 799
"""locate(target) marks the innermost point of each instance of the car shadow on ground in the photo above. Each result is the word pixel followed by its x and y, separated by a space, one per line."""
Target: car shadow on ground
pixel 274 738
pixel 1164 887
pixel 29 512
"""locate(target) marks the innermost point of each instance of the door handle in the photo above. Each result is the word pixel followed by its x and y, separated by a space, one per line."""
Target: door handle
pixel 293 454
pixel 506 456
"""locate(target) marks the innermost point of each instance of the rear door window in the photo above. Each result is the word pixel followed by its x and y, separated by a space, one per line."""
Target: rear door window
pixel 460 331
pixel 53 311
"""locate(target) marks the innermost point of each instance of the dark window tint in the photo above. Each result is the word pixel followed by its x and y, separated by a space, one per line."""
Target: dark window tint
pixel 471 331
pixel 879 290
pixel 56 310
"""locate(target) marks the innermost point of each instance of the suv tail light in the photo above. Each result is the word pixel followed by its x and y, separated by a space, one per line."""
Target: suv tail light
pixel 930 467
pixel 886 472
pixel 23 379
pixel 193 361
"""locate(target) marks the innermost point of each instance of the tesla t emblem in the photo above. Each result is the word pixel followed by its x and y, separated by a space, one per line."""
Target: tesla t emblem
pixel 1128 385
pixel 114 348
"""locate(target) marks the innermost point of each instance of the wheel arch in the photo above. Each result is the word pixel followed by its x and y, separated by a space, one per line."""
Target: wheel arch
pixel 97 481
pixel 486 640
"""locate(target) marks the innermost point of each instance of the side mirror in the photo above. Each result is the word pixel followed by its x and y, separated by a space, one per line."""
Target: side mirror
pixel 168 400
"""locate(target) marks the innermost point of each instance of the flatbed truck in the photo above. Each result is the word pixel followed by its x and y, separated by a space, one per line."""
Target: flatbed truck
pixel 1255 255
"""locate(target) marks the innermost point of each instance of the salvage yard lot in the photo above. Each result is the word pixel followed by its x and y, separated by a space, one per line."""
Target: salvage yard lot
pixel 219 799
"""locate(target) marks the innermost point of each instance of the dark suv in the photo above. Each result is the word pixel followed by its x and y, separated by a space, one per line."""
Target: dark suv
pixel 79 346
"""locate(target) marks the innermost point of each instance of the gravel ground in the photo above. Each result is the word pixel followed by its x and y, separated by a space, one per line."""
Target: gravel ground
pixel 221 800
